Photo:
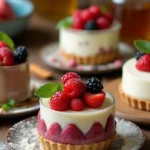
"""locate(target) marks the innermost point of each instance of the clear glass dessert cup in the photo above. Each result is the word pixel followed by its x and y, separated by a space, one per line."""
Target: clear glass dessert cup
pixel 84 121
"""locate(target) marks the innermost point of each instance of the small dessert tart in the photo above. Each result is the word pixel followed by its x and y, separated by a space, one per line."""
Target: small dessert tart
pixel 136 78
pixel 14 71
pixel 90 36
pixel 76 116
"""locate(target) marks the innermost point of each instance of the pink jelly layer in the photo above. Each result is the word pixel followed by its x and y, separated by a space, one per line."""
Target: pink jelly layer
pixel 72 135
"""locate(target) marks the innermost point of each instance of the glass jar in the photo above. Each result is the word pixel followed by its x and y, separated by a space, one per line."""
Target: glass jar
pixel 55 10
pixel 135 18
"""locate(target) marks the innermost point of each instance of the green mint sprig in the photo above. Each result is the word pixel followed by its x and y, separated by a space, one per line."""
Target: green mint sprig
pixel 103 9
pixel 9 105
pixel 66 23
pixel 48 90
pixel 142 45
pixel 5 38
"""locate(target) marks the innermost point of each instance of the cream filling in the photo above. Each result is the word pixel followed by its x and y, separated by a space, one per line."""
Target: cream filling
pixel 87 43
pixel 135 82
pixel 82 119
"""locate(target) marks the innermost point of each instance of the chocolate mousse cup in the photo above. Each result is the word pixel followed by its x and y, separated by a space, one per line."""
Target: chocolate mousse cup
pixel 14 82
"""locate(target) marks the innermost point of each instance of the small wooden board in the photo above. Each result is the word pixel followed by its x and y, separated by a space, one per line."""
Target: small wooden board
pixel 123 110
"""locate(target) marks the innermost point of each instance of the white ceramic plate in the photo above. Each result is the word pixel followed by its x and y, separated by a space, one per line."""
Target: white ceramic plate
pixel 23 136
pixel 25 108
pixel 53 59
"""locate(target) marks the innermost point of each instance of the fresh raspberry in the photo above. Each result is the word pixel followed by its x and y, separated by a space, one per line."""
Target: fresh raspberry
pixel 3 44
pixel 86 15
pixel 95 10
pixel 59 101
pixel 77 14
pixel 143 64
pixel 54 132
pixel 95 134
pixel 72 135
pixel 41 126
pixel 78 23
pixel 74 88
pixel 110 126
pixel 103 23
pixel 109 17
pixel 6 57
pixel 77 104
pixel 68 76
pixel 94 100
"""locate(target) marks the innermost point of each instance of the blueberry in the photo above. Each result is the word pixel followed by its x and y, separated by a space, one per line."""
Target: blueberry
pixel 139 55
pixel 94 85
pixel 91 25
pixel 20 54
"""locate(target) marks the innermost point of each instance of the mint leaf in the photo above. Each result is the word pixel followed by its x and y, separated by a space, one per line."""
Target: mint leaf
pixel 6 107
pixel 142 45
pixel 48 90
pixel 9 105
pixel 5 38
pixel 11 102
pixel 103 9
pixel 67 22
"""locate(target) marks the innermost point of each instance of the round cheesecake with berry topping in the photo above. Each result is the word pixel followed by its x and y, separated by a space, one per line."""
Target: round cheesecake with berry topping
pixel 136 81
pixel 92 38
pixel 14 71
pixel 79 116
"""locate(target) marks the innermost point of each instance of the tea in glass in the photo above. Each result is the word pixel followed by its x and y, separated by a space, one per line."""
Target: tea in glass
pixel 135 18
pixel 55 10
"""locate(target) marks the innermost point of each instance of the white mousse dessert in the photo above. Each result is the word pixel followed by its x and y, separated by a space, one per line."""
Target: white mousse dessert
pixel 89 36
pixel 135 82
pixel 77 115
pixel 136 78
pixel 83 119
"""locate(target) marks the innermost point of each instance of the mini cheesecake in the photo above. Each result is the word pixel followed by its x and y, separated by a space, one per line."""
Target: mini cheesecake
pixel 90 127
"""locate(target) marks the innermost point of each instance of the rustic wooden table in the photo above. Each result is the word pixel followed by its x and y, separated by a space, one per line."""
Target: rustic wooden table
pixel 39 34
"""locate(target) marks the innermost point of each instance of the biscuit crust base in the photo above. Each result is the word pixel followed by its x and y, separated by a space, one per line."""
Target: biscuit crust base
pixel 50 145
pixel 134 102
pixel 92 60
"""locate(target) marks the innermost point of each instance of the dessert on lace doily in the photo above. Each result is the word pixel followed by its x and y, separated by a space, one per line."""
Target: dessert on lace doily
pixel 23 135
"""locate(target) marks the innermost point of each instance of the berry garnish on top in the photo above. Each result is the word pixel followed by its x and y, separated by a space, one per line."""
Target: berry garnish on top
pixel 94 85
pixel 143 56
pixel 91 25
pixel 8 56
pixel 60 101
pixel 92 18
pixel 68 76
pixel 143 63
pixel 94 100
pixel 74 88
pixel 20 54
pixel 139 55
pixel 72 93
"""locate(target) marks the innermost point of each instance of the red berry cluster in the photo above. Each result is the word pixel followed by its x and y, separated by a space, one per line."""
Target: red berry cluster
pixel 94 13
pixel 6 56
pixel 74 95
pixel 9 57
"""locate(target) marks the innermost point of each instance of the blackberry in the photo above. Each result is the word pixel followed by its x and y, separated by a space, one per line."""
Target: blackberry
pixel 91 25
pixel 94 85
pixel 20 54
pixel 139 55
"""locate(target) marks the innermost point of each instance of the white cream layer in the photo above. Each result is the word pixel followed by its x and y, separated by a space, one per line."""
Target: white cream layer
pixel 82 119
pixel 135 82
pixel 87 43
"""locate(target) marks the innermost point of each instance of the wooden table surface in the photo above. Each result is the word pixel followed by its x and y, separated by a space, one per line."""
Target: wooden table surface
pixel 39 34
